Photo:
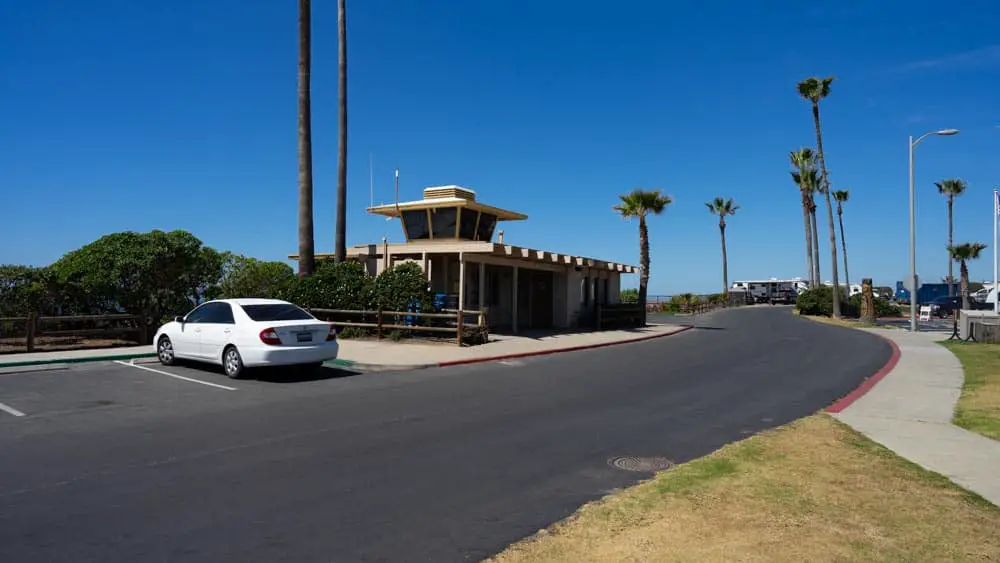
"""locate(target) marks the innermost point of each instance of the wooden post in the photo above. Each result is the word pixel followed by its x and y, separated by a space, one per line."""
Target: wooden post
pixel 482 285
pixel 30 329
pixel 460 329
pixel 599 323
pixel 514 300
pixel 461 281
pixel 378 324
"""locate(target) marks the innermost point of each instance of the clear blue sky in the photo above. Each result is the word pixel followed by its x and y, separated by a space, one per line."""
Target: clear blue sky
pixel 137 115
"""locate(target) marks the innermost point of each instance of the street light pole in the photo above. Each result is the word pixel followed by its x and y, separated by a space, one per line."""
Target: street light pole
pixel 913 247
pixel 914 327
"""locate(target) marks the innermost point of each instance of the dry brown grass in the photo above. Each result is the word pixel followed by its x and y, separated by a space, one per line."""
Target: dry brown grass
pixel 814 490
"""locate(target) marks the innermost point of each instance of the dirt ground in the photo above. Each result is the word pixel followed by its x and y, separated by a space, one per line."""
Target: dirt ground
pixel 57 343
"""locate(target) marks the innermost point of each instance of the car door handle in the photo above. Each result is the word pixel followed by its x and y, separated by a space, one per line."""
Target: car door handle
pixel 227 330
pixel 197 330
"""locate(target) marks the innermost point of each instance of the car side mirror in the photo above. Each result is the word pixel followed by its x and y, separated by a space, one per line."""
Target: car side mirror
pixel 179 320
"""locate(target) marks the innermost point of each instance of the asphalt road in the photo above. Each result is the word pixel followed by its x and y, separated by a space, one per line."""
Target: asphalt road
pixel 115 463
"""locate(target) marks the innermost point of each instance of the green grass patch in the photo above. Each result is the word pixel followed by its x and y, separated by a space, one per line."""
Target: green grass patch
pixel 978 408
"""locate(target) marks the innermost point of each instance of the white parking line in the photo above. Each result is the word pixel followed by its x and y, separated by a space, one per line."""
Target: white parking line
pixel 10 410
pixel 175 376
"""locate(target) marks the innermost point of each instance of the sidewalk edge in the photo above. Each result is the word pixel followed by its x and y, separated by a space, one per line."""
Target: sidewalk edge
pixel 81 360
pixel 841 404
pixel 560 350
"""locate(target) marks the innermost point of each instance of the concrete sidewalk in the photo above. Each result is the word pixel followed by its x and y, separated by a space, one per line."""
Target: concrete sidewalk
pixel 386 354
pixel 910 412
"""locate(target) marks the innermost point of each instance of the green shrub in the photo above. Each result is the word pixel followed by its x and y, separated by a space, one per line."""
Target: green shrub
pixel 398 287
pixel 248 277
pixel 332 286
pixel 630 296
pixel 819 301
pixel 883 307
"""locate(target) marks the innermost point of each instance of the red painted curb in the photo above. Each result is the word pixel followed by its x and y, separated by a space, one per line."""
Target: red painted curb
pixel 560 350
pixel 867 384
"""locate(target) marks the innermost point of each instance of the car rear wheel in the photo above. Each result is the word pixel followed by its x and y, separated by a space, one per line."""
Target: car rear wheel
pixel 232 363
pixel 165 351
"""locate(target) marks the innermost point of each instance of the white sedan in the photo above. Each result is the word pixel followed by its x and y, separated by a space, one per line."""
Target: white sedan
pixel 245 333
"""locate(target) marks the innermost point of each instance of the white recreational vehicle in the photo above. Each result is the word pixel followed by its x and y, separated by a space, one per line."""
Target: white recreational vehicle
pixel 772 290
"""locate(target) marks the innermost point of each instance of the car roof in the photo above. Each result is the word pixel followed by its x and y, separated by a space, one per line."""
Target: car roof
pixel 254 301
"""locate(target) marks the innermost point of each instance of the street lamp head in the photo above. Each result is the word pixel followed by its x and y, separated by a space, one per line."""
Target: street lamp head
pixel 947 132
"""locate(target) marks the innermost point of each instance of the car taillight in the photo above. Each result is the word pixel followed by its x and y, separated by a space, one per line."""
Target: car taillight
pixel 269 336
pixel 332 335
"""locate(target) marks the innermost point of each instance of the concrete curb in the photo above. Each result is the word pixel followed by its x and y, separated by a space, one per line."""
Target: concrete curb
pixel 870 382
pixel 561 350
pixel 349 364
pixel 80 360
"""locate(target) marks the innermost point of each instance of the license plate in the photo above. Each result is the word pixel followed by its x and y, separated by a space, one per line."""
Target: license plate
pixel 304 336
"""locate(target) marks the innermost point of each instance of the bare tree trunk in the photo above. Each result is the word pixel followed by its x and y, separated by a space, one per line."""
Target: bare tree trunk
pixel 306 242
pixel 725 259
pixel 843 246
pixel 829 213
pixel 951 242
pixel 809 245
pixel 340 244
pixel 815 238
pixel 643 265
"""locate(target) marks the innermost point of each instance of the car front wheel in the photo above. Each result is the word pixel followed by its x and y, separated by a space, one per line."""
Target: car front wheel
pixel 165 351
pixel 232 363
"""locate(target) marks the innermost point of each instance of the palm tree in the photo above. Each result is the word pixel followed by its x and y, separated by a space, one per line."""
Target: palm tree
pixel 722 208
pixel 814 90
pixel 640 203
pixel 962 253
pixel 340 243
pixel 841 197
pixel 811 183
pixel 951 188
pixel 804 174
pixel 307 247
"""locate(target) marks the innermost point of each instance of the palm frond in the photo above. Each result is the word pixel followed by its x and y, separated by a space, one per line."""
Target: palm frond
pixel 966 251
pixel 639 203
pixel 841 196
pixel 951 187
pixel 814 89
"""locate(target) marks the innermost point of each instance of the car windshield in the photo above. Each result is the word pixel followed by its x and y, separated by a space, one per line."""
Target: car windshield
pixel 276 312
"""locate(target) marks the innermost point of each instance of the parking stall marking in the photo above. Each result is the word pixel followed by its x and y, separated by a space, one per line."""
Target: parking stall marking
pixel 175 376
pixel 10 410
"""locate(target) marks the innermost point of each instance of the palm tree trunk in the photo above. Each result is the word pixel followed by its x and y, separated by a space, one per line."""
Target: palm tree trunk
pixel 643 265
pixel 951 233
pixel 815 238
pixel 829 212
pixel 843 246
pixel 964 288
pixel 809 245
pixel 306 242
pixel 725 259
pixel 340 244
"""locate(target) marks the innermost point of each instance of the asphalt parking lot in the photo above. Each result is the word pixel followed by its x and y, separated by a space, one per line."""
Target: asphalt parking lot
pixel 113 462
pixel 120 388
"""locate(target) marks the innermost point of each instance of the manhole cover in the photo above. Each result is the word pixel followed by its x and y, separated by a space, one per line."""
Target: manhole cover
pixel 641 464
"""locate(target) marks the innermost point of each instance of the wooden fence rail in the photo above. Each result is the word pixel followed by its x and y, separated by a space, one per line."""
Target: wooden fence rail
pixel 29 329
pixel 447 321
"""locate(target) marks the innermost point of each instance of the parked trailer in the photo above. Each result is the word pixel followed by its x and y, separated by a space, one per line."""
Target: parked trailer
pixel 771 291
pixel 928 292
